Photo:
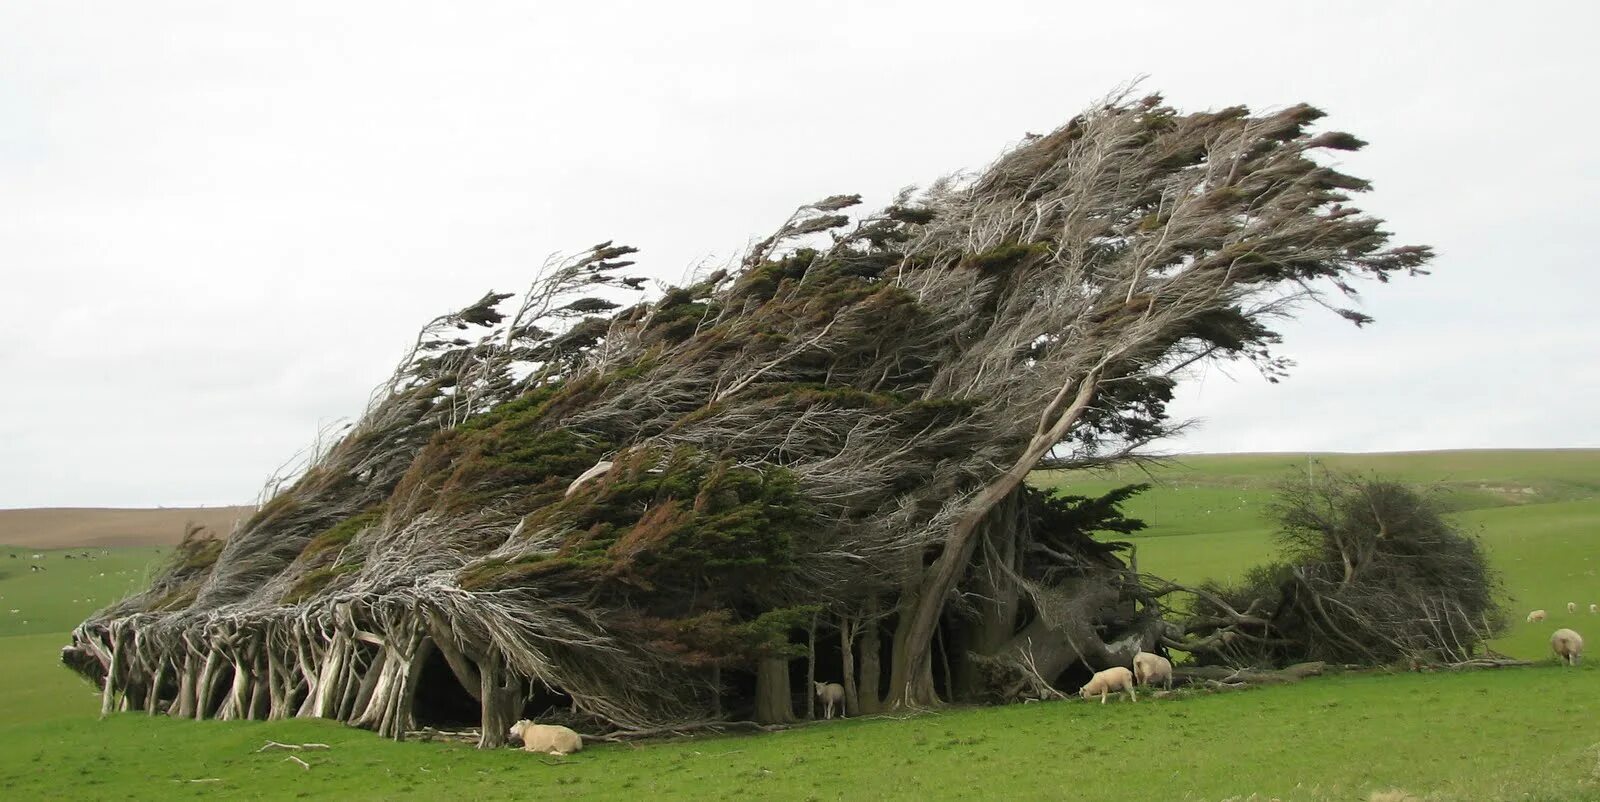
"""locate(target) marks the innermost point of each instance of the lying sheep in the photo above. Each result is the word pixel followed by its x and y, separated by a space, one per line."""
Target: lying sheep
pixel 1572 607
pixel 1568 646
pixel 1108 681
pixel 1148 669
pixel 1536 616
pixel 548 738
pixel 831 694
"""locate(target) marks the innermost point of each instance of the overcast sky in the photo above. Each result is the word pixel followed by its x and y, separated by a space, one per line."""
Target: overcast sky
pixel 221 223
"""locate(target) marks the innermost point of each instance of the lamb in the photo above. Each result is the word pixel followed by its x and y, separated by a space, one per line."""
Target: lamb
pixel 1572 607
pixel 1536 616
pixel 1149 669
pixel 830 694
pixel 1104 682
pixel 548 738
pixel 1568 646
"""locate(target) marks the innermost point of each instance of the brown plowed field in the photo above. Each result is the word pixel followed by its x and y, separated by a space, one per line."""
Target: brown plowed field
pixel 78 527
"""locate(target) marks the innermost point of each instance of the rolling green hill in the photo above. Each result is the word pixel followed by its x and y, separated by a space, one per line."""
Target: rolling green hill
pixel 1524 734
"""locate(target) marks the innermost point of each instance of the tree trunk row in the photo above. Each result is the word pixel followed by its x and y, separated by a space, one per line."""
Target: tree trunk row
pixel 298 669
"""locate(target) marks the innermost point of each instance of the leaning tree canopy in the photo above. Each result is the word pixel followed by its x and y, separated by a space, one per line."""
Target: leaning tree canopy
pixel 838 426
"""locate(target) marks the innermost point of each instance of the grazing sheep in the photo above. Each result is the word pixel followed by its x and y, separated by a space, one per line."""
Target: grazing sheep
pixel 1148 669
pixel 1568 646
pixel 1104 682
pixel 1572 607
pixel 548 738
pixel 1536 616
pixel 1594 608
pixel 831 694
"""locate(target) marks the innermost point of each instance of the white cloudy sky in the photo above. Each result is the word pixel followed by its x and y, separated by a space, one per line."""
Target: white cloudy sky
pixel 221 222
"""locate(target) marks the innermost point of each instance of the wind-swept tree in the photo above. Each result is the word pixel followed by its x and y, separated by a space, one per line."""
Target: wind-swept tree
pixel 1370 571
pixel 635 507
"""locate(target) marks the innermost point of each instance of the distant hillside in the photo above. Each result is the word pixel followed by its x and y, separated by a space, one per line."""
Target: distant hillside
pixel 71 527
pixel 1470 479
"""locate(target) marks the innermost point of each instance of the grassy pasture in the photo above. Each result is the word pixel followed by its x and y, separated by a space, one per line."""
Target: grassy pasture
pixel 1527 734
pixel 67 591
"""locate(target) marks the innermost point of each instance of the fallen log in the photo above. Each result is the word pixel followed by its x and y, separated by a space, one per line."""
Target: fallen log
pixel 1486 662
pixel 1236 677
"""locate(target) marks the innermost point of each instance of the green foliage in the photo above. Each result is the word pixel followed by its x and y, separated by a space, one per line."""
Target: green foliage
pixel 678 527
pixel 1062 528
pixel 178 580
pixel 513 450
pixel 1004 257
pixel 336 537
pixel 762 281
pixel 768 634
pixel 718 638
pixel 313 581
pixel 678 314
pixel 540 570
pixel 519 412
pixel 915 215
pixel 1083 515
pixel 482 313
pixel 196 553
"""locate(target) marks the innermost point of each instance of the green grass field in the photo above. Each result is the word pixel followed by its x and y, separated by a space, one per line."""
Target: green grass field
pixel 1525 734
pixel 67 591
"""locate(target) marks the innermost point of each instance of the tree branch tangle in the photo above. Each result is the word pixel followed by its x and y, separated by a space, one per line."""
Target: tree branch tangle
pixel 826 445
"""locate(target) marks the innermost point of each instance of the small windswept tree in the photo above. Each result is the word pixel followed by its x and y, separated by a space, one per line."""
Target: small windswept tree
pixel 1371 571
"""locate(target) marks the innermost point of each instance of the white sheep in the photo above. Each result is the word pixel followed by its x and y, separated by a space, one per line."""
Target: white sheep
pixel 1594 608
pixel 1148 669
pixel 831 694
pixel 1572 607
pixel 1568 646
pixel 1108 681
pixel 1536 616
pixel 549 738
